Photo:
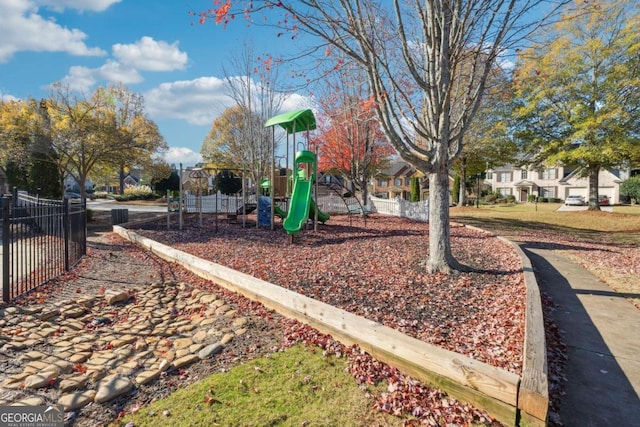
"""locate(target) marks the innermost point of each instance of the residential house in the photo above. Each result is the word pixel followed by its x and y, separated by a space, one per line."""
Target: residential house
pixel 131 180
pixel 70 184
pixel 395 181
pixel 551 182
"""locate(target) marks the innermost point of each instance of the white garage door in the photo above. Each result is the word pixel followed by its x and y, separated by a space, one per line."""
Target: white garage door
pixel 607 191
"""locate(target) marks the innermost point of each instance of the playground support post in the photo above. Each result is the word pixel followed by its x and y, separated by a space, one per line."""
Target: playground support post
pixel 244 200
pixel 200 201
pixel 315 186
pixel 273 179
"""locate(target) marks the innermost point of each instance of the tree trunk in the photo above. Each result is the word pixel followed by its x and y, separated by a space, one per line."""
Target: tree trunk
pixel 463 188
pixel 440 258
pixel 364 189
pixel 121 180
pixel 594 185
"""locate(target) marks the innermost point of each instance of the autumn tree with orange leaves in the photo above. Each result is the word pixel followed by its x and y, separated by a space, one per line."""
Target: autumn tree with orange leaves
pixel 349 139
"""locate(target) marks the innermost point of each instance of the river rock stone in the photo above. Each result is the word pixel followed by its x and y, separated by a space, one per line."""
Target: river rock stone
pixel 111 387
pixel 41 379
pixel 76 400
pixel 210 350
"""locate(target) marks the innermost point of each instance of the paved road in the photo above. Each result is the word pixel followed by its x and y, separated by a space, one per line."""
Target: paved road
pixel 107 205
pixel 602 333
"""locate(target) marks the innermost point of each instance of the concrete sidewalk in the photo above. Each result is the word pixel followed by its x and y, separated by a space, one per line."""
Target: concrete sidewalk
pixel 602 333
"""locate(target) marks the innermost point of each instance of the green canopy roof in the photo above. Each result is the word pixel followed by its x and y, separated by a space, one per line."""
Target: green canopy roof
pixel 294 121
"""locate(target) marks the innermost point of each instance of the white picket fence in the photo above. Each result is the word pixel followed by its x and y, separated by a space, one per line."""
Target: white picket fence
pixel 418 211
pixel 213 203
pixel 331 204
pixel 334 204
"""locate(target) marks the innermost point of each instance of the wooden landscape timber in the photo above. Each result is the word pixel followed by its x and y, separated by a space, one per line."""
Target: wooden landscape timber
pixel 533 399
pixel 512 400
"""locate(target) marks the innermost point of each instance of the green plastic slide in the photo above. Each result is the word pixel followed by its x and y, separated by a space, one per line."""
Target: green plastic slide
pixel 279 212
pixel 301 205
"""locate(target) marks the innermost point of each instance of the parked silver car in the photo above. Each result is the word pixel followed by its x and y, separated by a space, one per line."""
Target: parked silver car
pixel 574 200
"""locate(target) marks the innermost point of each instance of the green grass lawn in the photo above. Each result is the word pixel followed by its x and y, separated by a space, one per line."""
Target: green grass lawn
pixel 297 387
pixel 621 226
pixel 627 209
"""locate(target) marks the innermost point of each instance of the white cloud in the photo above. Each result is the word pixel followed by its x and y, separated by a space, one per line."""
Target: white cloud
pixel 145 54
pixel 81 5
pixel 24 29
pixel 506 64
pixel 79 79
pixel 5 97
pixel 151 55
pixel 197 101
pixel 186 156
pixel 296 101
pixel 82 79
pixel 118 73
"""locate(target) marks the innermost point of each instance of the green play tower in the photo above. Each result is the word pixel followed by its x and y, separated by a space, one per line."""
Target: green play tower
pixel 301 203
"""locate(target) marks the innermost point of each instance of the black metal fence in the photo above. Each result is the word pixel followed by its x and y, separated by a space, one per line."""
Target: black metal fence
pixel 41 239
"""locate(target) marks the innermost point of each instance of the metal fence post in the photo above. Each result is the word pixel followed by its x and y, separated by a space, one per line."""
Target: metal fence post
pixel 6 246
pixel 66 224
pixel 83 240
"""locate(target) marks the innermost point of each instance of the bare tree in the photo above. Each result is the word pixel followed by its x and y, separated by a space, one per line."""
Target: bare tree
pixel 413 54
pixel 252 85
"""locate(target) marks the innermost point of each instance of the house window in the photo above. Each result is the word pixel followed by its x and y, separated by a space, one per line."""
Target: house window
pixel 407 181
pixel 490 175
pixel 504 177
pixel 383 183
pixel 523 174
pixel 548 192
pixel 549 173
pixel 504 191
pixel 397 182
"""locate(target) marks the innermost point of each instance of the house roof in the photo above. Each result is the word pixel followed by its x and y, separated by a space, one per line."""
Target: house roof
pixel 397 168
pixel 576 173
pixel 525 183
pixel 130 177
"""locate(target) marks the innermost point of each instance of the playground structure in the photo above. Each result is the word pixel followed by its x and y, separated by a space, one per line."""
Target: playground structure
pixel 229 202
pixel 301 204
pixel 290 195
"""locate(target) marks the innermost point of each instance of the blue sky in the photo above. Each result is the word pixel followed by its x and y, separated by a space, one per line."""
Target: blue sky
pixel 154 47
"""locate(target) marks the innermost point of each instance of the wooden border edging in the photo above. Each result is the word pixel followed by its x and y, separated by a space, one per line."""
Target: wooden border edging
pixel 533 392
pixel 533 397
pixel 499 392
